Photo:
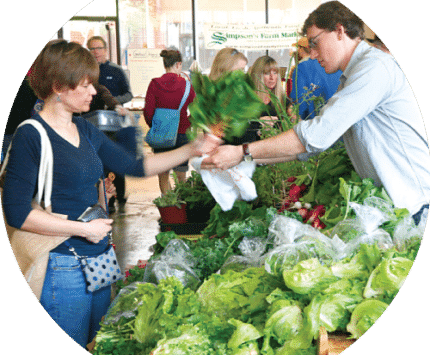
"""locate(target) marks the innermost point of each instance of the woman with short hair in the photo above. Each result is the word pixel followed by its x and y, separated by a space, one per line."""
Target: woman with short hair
pixel 62 76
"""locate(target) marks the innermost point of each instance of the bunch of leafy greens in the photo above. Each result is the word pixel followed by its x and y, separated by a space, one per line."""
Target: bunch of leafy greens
pixel 194 192
pixel 223 235
pixel 239 295
pixel 255 312
pixel 308 277
pixel 364 316
pixel 166 311
pixel 284 325
pixel 229 101
pixel 387 278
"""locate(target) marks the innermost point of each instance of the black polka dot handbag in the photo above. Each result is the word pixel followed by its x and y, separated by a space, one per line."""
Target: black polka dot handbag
pixel 100 271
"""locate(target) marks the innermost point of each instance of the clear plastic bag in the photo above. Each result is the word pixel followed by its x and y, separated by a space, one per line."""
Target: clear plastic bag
pixel 175 260
pixel 285 257
pixel 407 230
pixel 125 304
pixel 364 229
pixel 285 230
pixel 295 241
pixel 252 249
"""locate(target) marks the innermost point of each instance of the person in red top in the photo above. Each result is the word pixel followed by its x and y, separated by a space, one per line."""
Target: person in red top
pixel 167 92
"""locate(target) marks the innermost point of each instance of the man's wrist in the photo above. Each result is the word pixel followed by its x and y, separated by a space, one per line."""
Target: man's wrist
pixel 246 155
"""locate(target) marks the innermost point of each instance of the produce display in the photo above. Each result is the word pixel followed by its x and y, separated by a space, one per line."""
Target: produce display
pixel 319 248
pixel 224 106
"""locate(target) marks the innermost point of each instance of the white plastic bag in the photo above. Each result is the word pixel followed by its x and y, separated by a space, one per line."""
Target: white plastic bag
pixel 226 186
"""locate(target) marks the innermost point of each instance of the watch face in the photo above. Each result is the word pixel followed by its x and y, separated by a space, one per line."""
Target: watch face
pixel 247 158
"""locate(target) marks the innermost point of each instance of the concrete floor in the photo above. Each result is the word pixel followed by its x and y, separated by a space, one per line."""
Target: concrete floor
pixel 136 222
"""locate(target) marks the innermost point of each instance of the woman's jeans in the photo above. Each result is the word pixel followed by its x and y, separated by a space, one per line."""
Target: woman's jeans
pixel 65 298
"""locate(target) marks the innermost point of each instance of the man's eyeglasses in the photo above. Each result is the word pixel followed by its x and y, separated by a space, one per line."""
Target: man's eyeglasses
pixel 311 41
pixel 96 48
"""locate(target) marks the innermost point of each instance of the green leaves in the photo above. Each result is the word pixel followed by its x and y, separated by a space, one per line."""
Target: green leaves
pixel 308 276
pixel 364 316
pixel 388 277
pixel 230 99
pixel 170 198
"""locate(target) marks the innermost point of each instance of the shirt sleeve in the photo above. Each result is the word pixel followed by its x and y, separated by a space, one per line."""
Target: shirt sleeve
pixel 22 172
pixel 125 95
pixel 106 96
pixel 114 157
pixel 364 88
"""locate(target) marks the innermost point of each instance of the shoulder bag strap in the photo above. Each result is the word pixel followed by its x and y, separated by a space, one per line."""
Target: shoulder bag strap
pixel 186 93
pixel 46 165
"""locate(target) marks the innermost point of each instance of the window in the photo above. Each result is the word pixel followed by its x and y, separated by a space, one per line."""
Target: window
pixel 157 24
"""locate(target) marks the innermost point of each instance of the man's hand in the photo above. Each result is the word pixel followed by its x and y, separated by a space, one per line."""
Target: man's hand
pixel 224 157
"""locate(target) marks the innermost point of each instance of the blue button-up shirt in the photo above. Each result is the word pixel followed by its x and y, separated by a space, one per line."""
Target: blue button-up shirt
pixel 376 113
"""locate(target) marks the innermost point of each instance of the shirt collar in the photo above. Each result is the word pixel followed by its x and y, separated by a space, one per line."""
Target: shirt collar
pixel 355 58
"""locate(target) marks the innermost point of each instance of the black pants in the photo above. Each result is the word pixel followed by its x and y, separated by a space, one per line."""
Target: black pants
pixel 126 137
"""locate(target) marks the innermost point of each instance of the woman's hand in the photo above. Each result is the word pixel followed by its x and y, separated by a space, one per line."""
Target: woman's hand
pixel 205 144
pixel 110 191
pixel 269 120
pixel 110 187
pixel 97 229
pixel 122 111
pixel 293 116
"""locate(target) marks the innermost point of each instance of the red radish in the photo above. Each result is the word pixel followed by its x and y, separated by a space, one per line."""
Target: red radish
pixel 294 193
pixel 316 212
pixel 318 224
pixel 303 212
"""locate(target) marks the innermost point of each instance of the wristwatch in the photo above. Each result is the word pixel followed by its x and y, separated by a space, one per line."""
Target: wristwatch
pixel 246 154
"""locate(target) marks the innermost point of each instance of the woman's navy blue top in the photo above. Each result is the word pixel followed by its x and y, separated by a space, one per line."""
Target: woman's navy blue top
pixel 76 174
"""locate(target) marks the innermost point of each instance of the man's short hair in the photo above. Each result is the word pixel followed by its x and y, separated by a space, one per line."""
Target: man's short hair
pixel 331 13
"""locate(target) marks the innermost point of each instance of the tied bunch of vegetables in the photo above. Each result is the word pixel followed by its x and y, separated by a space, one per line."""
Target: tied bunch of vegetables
pixel 225 106
pixel 291 203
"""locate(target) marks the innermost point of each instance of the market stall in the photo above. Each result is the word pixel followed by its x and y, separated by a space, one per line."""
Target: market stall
pixel 305 268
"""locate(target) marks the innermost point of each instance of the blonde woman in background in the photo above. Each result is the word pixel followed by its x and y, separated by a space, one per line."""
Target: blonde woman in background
pixel 227 60
pixel 265 75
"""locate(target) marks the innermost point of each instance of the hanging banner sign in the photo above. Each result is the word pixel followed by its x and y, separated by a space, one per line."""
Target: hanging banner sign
pixel 250 37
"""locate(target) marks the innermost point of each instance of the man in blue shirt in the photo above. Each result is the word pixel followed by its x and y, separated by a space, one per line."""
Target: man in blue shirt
pixel 312 86
pixel 374 111
pixel 113 77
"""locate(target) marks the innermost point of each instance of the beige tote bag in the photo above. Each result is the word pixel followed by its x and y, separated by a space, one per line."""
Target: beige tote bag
pixel 31 250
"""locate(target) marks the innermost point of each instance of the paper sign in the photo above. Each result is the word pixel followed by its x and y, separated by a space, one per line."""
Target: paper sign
pixel 144 65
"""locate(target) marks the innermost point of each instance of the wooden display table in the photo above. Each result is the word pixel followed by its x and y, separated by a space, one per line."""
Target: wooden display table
pixel 332 343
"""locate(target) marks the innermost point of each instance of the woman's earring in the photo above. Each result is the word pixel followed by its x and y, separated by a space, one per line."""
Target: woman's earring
pixel 58 98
